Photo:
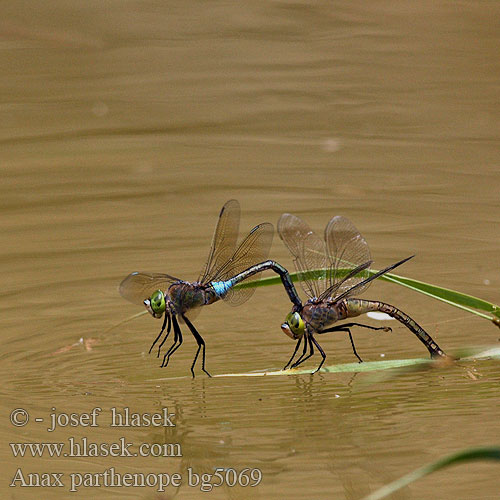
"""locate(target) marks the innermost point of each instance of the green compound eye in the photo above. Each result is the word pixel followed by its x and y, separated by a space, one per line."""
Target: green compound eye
pixel 157 301
pixel 296 324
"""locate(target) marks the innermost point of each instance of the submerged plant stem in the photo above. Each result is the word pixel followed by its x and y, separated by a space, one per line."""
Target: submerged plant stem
pixel 468 455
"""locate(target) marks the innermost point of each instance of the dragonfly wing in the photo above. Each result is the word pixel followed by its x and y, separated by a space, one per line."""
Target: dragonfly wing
pixel 364 283
pixel 348 251
pixel 192 314
pixel 223 241
pixel 251 251
pixel 309 252
pixel 138 286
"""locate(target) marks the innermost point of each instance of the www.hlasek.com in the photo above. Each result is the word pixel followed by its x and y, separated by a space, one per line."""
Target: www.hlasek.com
pixel 82 447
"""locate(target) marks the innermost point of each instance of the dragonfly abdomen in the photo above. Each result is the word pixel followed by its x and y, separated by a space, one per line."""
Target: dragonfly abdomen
pixel 222 287
pixel 355 307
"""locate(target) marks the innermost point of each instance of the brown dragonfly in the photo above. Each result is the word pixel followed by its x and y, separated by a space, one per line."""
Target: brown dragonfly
pixel 331 271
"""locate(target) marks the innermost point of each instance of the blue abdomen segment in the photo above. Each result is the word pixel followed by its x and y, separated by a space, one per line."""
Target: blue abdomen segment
pixel 222 287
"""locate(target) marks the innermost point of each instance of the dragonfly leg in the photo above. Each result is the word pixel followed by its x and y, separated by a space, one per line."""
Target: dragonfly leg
pixel 354 347
pixel 167 322
pixel 304 351
pixel 323 355
pixel 159 335
pixel 297 345
pixel 311 352
pixel 333 329
pixel 201 345
pixel 346 328
pixel 177 342
pixel 338 328
pixel 170 348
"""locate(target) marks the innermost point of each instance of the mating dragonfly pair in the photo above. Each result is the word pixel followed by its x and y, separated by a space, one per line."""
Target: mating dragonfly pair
pixel 330 270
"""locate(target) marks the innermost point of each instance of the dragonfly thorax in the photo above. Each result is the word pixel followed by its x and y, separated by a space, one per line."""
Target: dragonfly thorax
pixel 184 296
pixel 319 315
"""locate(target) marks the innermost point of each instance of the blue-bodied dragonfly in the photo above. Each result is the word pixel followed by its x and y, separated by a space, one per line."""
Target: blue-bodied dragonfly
pixel 227 265
pixel 331 271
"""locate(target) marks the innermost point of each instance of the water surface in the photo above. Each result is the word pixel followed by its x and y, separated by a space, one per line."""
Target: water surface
pixel 126 126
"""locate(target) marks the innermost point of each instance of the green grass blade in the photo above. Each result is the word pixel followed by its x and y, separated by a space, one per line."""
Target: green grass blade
pixel 463 301
pixel 468 455
pixel 452 297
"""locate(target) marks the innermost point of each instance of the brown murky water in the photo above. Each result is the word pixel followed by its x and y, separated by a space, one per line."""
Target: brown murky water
pixel 125 127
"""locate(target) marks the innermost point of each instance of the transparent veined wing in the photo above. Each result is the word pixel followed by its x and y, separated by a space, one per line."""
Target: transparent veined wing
pixel 309 251
pixel 361 285
pixel 349 256
pixel 191 314
pixel 138 286
pixel 253 250
pixel 223 241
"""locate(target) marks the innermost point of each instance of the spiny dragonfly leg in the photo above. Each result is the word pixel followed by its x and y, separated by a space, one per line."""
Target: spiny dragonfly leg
pixel 346 328
pixel 170 349
pixel 339 328
pixel 167 319
pixel 201 345
pixel 348 325
pixel 353 346
pixel 177 342
pixel 297 345
pixel 169 325
pixel 323 355
pixel 311 351
pixel 304 350
pixel 159 335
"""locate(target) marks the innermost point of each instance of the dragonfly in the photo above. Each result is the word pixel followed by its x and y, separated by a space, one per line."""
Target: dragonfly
pixel 331 270
pixel 228 264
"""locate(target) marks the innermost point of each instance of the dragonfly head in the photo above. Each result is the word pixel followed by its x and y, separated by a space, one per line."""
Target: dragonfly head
pixel 294 326
pixel 156 304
